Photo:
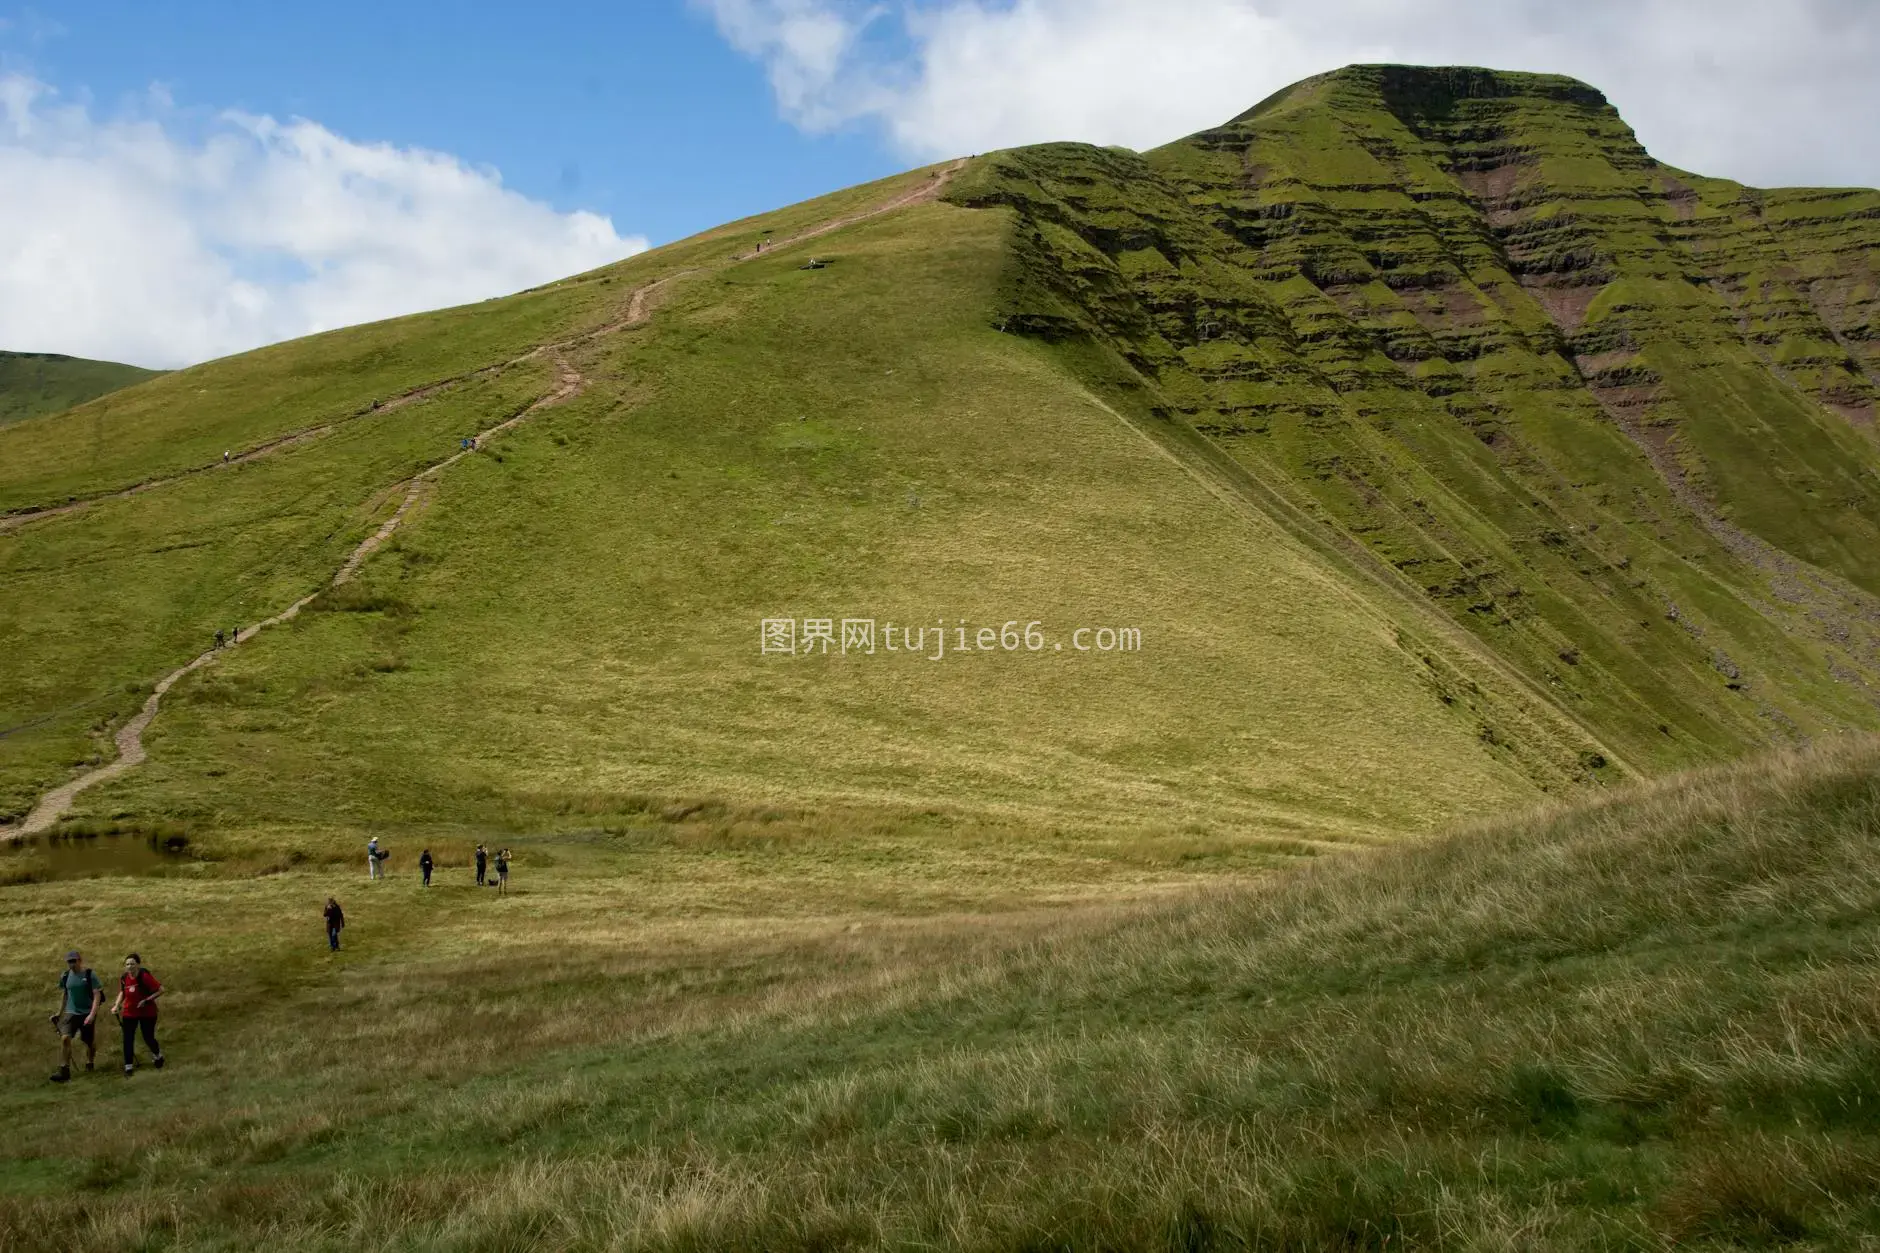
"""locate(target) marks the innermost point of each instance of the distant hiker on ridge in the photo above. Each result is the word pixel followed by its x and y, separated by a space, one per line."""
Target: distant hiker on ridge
pixel 136 1007
pixel 80 995
pixel 335 919
pixel 424 865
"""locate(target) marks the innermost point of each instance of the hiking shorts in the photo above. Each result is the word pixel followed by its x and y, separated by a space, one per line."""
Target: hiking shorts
pixel 75 1025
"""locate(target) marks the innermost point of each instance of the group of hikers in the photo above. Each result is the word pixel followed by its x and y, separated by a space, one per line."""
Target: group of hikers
pixel 81 992
pixel 376 856
pixel 81 996
pixel 233 637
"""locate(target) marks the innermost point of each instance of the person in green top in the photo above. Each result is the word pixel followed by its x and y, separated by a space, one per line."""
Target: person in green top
pixel 80 995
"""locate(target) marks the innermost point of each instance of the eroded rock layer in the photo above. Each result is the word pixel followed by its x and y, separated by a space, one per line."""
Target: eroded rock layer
pixel 1615 419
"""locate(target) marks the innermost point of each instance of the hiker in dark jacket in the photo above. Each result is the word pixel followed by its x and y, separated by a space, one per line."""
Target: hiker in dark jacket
pixel 483 864
pixel 424 864
pixel 335 919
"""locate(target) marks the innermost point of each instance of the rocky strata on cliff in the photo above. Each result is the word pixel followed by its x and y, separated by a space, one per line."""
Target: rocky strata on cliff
pixel 1617 420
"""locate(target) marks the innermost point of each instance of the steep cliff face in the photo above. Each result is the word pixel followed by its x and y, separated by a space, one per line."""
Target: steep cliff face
pixel 1615 419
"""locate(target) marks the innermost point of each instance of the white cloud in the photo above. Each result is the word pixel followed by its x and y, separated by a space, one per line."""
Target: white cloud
pixel 1770 93
pixel 164 240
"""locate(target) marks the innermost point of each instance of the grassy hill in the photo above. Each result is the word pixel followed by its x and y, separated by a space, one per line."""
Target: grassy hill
pixel 1615 420
pixel 45 382
pixel 1431 435
pixel 1644 1023
pixel 1455 487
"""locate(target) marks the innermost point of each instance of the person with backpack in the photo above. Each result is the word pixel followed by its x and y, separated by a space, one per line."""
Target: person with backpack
pixel 502 870
pixel 136 1008
pixel 424 866
pixel 373 858
pixel 335 919
pixel 483 862
pixel 80 995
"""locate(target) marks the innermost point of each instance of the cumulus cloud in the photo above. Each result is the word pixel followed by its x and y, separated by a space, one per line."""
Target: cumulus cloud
pixel 162 239
pixel 1769 93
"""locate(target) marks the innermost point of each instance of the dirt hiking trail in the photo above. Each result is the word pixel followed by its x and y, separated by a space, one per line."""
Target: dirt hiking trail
pixel 129 737
pixel 636 312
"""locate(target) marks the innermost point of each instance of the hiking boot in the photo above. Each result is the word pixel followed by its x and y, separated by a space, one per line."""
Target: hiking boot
pixel 88 1065
pixel 128 1068
pixel 62 1075
pixel 157 1061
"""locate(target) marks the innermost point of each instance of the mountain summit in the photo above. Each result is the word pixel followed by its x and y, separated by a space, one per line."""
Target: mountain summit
pixel 1437 446
pixel 1615 419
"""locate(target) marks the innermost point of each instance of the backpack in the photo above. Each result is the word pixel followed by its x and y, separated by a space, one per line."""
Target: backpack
pixel 86 978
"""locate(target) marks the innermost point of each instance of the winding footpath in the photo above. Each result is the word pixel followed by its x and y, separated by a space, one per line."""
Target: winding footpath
pixel 130 737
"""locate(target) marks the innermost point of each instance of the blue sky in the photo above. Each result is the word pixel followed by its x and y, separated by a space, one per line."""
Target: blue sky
pixel 638 111
pixel 189 178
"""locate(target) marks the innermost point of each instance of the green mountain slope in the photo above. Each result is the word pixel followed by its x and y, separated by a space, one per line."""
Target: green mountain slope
pixel 1616 421
pixel 1440 454
pixel 46 382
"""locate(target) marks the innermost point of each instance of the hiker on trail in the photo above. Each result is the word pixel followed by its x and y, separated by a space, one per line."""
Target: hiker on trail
pixel 136 1007
pixel 80 995
pixel 234 635
pixel 225 456
pixel 373 858
pixel 483 861
pixel 335 919
pixel 218 639
pixel 425 864
pixel 502 870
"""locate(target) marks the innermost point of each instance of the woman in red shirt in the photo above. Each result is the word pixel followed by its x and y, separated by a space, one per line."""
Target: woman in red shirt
pixel 136 1007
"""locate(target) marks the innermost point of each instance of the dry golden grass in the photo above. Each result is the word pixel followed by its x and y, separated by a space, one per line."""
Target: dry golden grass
pixel 1649 1021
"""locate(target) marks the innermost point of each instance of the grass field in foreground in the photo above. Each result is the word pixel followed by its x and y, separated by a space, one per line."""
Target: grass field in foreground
pixel 1647 1022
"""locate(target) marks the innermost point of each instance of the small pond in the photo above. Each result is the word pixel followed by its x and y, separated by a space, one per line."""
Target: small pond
pixel 43 858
